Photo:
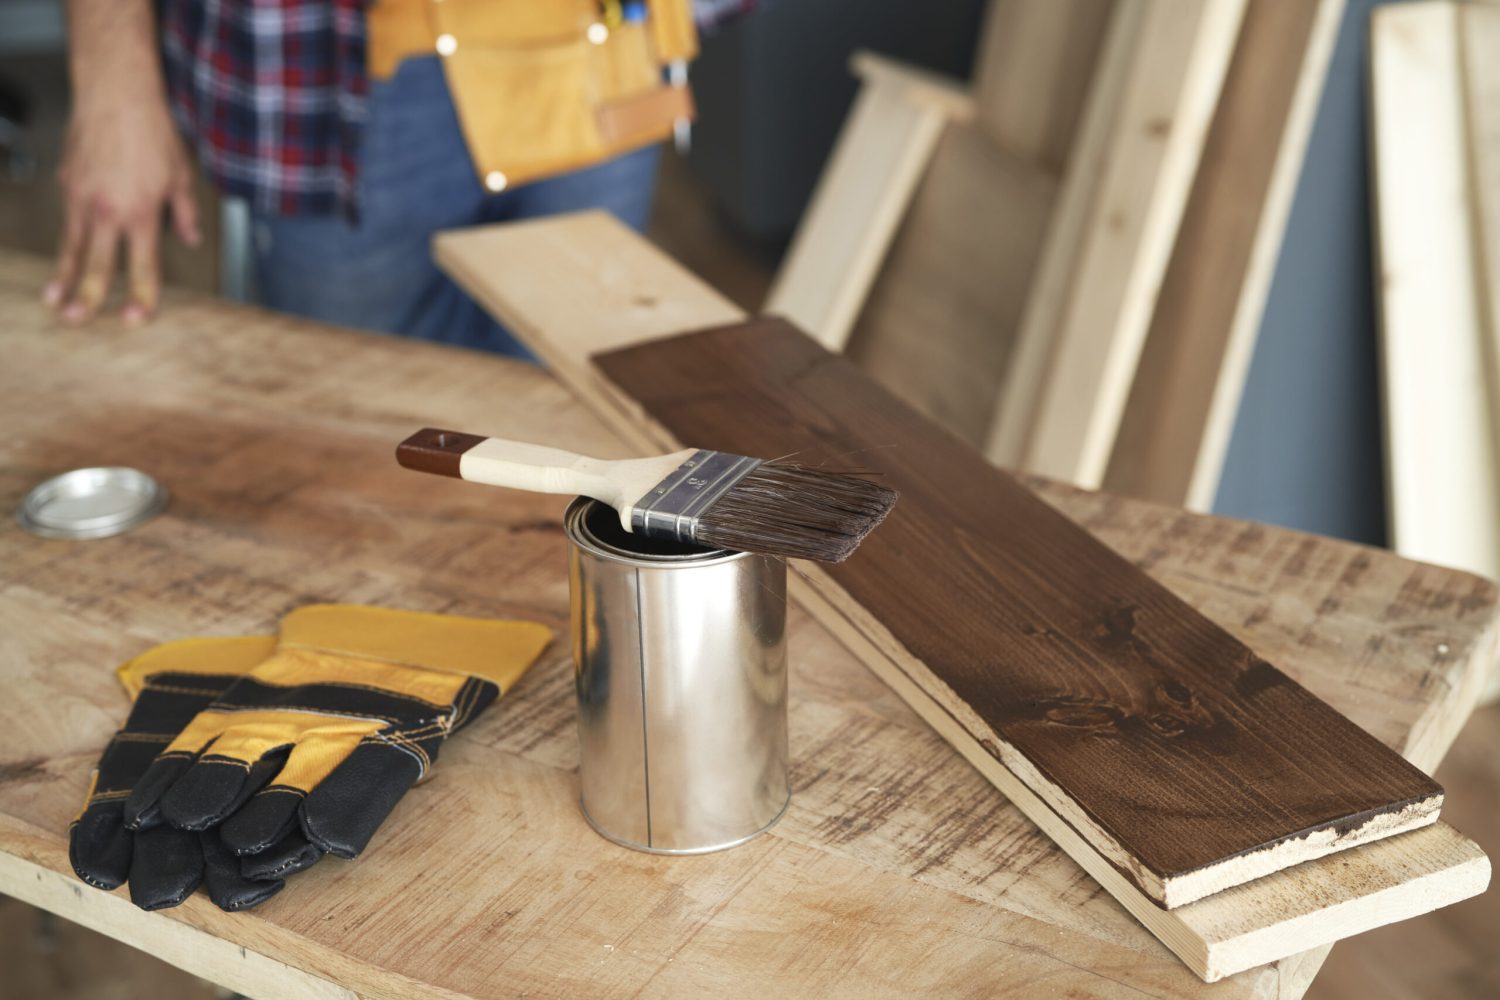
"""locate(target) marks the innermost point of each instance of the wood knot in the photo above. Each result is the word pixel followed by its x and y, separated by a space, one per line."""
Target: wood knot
pixel 1166 724
pixel 28 769
pixel 1172 711
pixel 1118 627
pixel 1090 714
pixel 1176 692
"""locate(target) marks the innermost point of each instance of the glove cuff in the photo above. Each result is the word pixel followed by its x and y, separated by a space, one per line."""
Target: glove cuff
pixel 494 650
pixel 210 655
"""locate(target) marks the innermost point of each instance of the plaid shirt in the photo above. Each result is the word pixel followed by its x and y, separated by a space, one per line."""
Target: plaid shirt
pixel 272 94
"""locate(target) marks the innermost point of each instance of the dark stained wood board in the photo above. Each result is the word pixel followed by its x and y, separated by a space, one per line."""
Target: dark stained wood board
pixel 1186 759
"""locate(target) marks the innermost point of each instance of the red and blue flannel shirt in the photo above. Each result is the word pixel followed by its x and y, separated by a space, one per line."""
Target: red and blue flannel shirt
pixel 272 95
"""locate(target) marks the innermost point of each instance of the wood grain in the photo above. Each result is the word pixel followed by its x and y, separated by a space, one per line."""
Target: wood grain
pixel 898 867
pixel 1132 198
pixel 1441 441
pixel 863 193
pixel 1378 681
pixel 275 436
pixel 938 324
pixel 1189 761
pixel 1045 299
pixel 1479 28
pixel 1032 73
pixel 1182 404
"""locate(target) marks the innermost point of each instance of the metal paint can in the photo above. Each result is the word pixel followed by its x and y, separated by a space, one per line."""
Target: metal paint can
pixel 681 673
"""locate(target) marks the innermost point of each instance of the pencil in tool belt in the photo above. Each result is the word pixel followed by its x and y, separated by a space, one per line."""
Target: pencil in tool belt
pixel 702 497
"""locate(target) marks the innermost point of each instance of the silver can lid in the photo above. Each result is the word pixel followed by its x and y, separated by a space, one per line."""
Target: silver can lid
pixel 91 503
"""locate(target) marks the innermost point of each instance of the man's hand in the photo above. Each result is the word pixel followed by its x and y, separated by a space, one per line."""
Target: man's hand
pixel 123 163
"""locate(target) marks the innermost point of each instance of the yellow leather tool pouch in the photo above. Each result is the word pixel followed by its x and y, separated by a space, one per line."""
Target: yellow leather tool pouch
pixel 542 86
pixel 526 112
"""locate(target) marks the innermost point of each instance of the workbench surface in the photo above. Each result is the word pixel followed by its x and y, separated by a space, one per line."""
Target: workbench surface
pixel 897 869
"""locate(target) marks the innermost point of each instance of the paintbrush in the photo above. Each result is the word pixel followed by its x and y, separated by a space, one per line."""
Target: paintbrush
pixel 708 498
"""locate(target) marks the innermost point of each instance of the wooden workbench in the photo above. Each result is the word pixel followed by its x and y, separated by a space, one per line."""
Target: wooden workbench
pixel 897 869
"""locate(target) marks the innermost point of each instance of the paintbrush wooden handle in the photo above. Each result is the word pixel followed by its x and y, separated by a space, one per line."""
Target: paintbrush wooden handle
pixel 536 468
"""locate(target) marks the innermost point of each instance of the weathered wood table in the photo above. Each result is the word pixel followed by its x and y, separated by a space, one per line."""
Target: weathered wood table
pixel 897 870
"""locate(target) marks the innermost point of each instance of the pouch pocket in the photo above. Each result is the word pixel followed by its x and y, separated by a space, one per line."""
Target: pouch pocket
pixel 526 111
pixel 624 66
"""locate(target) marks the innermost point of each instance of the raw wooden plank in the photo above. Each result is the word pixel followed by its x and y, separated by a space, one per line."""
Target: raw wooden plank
pixel 1479 26
pixel 1250 577
pixel 1440 435
pixel 1161 108
pixel 1032 73
pixel 936 329
pixel 1479 29
pixel 1177 752
pixel 940 319
pixel 1046 297
pixel 1187 387
pixel 862 194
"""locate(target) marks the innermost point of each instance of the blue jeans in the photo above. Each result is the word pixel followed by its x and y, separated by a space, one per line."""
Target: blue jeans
pixel 415 178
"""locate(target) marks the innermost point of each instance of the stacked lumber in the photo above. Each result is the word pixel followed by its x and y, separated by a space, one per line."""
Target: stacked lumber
pixel 1068 271
pixel 1238 818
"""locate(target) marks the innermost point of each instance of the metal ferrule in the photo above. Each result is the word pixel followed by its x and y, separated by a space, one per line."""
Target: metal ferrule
pixel 672 508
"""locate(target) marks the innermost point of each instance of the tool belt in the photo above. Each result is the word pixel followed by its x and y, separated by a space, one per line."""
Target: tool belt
pixel 543 87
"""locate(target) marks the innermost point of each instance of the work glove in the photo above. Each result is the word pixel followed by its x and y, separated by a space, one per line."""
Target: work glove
pixel 169 685
pixel 322 739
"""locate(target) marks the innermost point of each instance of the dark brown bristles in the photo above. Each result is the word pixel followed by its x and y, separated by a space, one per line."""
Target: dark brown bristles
pixel 796 511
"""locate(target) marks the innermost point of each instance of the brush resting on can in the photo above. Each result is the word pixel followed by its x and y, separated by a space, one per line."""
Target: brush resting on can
pixel 703 497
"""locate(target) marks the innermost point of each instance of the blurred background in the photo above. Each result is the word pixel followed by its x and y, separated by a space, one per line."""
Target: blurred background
pixel 1158 257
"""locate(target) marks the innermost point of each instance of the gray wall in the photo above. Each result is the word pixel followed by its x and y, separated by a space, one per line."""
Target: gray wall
pixel 1306 449
pixel 774 88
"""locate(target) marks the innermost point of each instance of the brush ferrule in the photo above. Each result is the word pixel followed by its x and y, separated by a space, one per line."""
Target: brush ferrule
pixel 671 508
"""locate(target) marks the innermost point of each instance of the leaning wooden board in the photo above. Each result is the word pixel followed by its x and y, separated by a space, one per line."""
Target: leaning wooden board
pixel 1182 404
pixel 605 288
pixel 1442 444
pixel 1119 206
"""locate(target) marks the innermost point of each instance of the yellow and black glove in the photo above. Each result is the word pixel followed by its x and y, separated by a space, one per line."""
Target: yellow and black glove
pixel 322 739
pixel 169 684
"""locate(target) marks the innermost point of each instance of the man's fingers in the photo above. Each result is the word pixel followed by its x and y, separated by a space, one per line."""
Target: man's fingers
pixel 145 271
pixel 185 214
pixel 98 270
pixel 69 260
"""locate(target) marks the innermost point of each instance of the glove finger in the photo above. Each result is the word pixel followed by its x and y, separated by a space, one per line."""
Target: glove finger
pixel 143 807
pixel 272 813
pixel 227 886
pixel 261 823
pixel 288 856
pixel 215 786
pixel 166 867
pixel 100 847
pixel 343 812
